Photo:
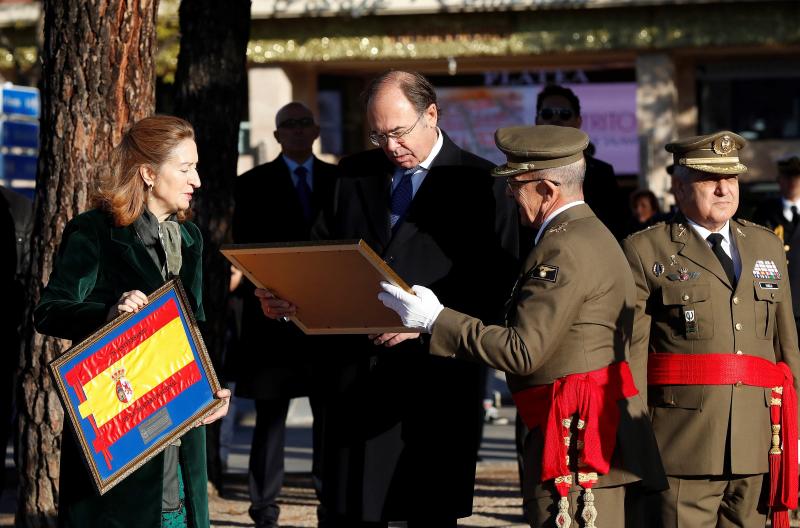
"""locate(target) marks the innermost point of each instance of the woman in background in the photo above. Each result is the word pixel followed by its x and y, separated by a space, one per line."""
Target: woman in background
pixel 137 237
pixel 644 210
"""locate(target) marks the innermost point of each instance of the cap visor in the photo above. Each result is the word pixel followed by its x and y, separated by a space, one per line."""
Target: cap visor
pixel 504 171
pixel 737 168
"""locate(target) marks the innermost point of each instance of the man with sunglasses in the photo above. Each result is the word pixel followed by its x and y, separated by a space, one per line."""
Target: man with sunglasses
pixel 407 424
pixel 559 106
pixel 274 362
pixel 565 344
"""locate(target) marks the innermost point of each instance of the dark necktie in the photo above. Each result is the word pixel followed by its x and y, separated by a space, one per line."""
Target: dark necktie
pixel 401 198
pixel 304 192
pixel 727 264
pixel 795 216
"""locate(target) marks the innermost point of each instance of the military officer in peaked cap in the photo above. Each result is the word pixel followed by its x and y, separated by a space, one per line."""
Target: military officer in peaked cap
pixel 565 344
pixel 782 215
pixel 714 312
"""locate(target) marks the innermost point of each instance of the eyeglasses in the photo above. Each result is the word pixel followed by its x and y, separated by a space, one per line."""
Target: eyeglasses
pixel 380 140
pixel 513 185
pixel 564 114
pixel 303 122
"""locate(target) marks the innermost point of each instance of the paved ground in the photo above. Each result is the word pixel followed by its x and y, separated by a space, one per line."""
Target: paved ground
pixel 496 491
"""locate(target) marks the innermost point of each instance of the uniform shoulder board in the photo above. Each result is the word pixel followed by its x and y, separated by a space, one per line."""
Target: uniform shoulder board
pixel 748 223
pixel 648 228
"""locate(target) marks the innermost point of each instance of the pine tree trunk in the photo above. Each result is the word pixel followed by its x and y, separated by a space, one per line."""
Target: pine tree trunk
pixel 98 76
pixel 210 88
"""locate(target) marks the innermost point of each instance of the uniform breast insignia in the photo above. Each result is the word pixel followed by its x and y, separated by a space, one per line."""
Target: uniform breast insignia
pixel 683 275
pixel 658 269
pixel 560 228
pixel 766 269
pixel 768 285
pixel 691 322
pixel 544 272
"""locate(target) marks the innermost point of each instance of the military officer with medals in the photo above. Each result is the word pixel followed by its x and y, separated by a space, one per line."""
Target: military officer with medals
pixel 565 345
pixel 714 313
pixel 782 215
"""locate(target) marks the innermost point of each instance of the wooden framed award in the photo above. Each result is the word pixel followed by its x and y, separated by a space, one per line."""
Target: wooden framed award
pixel 333 284
pixel 136 385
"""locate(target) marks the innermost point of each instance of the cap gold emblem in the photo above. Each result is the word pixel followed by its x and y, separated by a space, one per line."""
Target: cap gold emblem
pixel 723 145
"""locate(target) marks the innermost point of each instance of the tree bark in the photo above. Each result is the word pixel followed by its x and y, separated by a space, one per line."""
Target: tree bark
pixel 98 76
pixel 210 89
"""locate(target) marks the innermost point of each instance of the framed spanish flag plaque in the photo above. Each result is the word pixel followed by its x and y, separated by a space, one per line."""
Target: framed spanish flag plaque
pixel 136 385
pixel 334 284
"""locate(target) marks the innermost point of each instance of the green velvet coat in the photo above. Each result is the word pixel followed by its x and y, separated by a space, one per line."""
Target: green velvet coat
pixel 96 263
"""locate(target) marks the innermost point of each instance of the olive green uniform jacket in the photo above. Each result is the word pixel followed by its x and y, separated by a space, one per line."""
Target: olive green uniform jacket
pixel 96 264
pixel 711 429
pixel 571 312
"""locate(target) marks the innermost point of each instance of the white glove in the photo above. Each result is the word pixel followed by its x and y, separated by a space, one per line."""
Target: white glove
pixel 416 311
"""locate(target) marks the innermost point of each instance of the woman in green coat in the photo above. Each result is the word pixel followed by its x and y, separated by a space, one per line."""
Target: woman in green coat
pixel 137 236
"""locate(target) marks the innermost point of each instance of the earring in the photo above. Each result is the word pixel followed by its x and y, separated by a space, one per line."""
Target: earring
pixel 150 186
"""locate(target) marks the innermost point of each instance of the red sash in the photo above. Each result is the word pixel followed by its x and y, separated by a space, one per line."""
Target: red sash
pixel 731 369
pixel 593 396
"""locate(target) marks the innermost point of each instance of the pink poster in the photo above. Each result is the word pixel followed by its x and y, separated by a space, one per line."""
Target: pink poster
pixel 471 115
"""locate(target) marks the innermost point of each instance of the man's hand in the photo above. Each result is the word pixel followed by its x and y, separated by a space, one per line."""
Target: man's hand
pixel 416 311
pixel 273 307
pixel 390 340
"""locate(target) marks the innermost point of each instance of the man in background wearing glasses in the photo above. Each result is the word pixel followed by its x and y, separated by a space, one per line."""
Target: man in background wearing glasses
pixel 407 424
pixel 559 106
pixel 565 344
pixel 274 362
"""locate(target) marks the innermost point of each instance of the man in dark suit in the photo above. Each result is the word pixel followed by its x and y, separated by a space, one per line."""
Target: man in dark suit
pixel 407 424
pixel 278 202
pixel 557 105
pixel 782 215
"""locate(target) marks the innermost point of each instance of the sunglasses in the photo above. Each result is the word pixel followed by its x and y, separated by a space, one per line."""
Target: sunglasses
pixel 303 122
pixel 564 114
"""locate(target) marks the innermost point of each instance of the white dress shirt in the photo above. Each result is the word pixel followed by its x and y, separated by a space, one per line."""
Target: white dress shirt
pixel 728 244
pixel 787 208
pixel 308 164
pixel 421 170
pixel 553 215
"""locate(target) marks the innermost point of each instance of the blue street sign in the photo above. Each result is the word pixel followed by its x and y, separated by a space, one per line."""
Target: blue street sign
pixel 23 134
pixel 19 100
pixel 18 167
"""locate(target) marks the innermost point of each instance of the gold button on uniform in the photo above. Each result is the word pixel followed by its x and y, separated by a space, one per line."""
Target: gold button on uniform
pixel 772 295
pixel 685 297
pixel 735 300
pixel 738 383
pixel 738 352
pixel 738 326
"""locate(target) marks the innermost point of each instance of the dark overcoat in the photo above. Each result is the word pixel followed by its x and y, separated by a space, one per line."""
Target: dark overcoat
pixel 407 423
pixel 96 263
pixel 275 360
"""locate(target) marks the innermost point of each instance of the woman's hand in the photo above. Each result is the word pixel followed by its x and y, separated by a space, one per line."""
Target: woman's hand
pixel 131 301
pixel 225 396
pixel 272 306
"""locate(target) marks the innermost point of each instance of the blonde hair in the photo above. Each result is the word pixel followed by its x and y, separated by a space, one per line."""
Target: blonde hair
pixel 148 143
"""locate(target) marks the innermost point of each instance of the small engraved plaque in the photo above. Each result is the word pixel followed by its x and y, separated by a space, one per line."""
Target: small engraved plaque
pixel 155 425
